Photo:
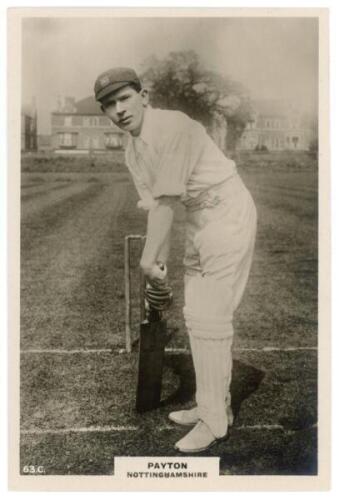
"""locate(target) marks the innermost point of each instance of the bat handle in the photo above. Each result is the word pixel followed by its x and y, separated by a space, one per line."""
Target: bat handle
pixel 154 315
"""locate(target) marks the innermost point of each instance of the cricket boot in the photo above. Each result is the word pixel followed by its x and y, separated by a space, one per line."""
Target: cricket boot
pixel 191 417
pixel 200 438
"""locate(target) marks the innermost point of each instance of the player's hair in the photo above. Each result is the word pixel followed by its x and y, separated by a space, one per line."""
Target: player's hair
pixel 136 86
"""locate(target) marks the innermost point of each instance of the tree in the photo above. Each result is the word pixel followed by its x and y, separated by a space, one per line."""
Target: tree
pixel 179 81
pixel 237 120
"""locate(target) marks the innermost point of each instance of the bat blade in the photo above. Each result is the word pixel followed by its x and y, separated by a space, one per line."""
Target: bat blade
pixel 153 339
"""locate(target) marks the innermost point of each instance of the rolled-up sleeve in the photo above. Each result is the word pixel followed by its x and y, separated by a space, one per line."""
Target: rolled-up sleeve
pixel 147 200
pixel 180 154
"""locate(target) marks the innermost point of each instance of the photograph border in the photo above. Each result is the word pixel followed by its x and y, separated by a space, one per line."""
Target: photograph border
pixel 111 483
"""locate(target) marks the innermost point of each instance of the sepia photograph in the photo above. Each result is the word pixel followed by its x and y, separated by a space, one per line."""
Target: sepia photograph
pixel 170 175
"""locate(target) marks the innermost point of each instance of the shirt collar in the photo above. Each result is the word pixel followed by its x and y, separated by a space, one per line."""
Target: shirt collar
pixel 146 133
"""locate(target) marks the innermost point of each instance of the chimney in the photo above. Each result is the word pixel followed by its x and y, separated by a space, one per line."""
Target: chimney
pixel 59 104
pixel 69 105
pixel 33 106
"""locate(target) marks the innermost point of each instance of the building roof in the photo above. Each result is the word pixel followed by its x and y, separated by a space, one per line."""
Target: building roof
pixel 272 107
pixel 86 106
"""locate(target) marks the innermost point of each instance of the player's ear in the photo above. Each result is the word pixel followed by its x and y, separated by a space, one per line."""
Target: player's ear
pixel 145 96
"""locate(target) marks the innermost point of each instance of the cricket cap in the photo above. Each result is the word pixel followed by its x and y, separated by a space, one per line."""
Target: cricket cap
pixel 114 79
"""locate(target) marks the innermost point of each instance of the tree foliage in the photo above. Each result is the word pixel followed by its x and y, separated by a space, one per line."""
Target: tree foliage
pixel 179 81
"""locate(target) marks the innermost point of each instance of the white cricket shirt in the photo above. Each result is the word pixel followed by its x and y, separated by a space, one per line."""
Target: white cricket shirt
pixel 174 156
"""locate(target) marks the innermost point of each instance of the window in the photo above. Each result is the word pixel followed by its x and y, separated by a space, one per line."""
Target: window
pixel 92 121
pixel 295 141
pixel 31 125
pixel 113 141
pixel 68 121
pixel 67 140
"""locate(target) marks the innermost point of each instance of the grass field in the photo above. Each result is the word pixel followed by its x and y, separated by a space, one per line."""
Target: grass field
pixel 77 387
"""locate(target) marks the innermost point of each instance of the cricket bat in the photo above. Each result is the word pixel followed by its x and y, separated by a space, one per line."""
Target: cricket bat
pixel 152 342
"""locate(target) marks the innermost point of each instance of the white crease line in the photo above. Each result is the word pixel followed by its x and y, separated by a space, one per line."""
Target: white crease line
pixel 65 351
pixel 279 349
pixel 271 427
pixel 84 430
pixel 79 430
pixel 267 427
pixel 254 349
pixel 274 427
pixel 171 350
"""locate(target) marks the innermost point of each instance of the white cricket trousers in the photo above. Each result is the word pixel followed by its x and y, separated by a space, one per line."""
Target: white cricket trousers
pixel 220 237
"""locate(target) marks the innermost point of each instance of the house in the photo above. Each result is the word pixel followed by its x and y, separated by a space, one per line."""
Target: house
pixel 276 126
pixel 81 127
pixel 28 128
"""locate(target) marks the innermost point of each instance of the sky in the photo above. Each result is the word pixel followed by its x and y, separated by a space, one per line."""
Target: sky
pixel 275 58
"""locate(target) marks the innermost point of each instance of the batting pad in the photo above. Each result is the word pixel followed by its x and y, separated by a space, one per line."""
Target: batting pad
pixel 208 307
pixel 213 367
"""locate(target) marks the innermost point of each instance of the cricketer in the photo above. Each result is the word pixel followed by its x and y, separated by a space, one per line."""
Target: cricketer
pixel 172 159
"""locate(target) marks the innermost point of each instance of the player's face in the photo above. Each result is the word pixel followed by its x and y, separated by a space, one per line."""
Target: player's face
pixel 126 107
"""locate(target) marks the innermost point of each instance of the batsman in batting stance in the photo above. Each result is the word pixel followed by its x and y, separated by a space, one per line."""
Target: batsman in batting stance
pixel 172 159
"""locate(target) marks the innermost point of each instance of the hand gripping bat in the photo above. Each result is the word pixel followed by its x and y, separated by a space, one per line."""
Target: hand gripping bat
pixel 158 294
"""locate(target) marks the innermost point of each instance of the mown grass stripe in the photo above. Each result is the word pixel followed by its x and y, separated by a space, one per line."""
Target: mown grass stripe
pixel 45 191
